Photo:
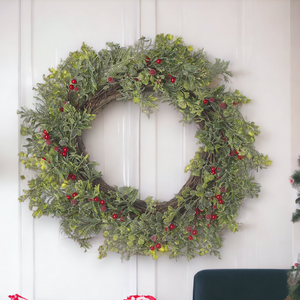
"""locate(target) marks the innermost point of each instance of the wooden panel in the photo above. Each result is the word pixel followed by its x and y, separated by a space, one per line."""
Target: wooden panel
pixel 113 142
pixel 10 259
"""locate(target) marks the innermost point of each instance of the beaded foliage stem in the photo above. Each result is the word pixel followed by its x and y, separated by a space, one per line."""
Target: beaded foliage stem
pixel 66 184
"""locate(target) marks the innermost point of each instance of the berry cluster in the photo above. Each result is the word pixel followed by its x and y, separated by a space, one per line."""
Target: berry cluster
pixel 235 152
pixel 73 201
pixel 46 136
pixel 72 87
pixel 63 151
pixel 152 72
pixel 71 176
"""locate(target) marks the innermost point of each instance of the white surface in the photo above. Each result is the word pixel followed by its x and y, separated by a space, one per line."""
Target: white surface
pixel 260 38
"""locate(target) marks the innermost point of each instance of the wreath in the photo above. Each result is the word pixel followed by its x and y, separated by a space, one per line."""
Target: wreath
pixel 66 184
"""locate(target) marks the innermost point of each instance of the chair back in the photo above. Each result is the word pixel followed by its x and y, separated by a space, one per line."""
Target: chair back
pixel 241 284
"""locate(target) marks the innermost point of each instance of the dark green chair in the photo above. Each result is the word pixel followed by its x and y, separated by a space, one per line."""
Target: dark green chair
pixel 241 284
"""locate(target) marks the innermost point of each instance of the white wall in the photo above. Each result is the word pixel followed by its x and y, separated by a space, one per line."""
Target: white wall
pixel 259 37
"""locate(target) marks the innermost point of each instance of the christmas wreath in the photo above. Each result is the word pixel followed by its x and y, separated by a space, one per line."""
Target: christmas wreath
pixel 66 184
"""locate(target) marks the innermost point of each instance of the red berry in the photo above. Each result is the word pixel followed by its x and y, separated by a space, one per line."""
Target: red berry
pixel 205 101
pixel 65 102
pixel 208 216
pixel 154 237
pixel 158 61
pixel 102 202
pixel 152 72
pixel 68 197
pixel 232 153
pixel 218 197
pixel 236 152
pixel 194 232
pixel 73 177
pixel 213 173
pixel 224 138
pixel 223 105
pixel 296 265
pixel 173 79
pixel 122 219
pixel 218 169
pixel 218 178
pixel 74 81
pixel 158 81
pixel 74 195
pixel 64 154
pixel 213 169
pixel 234 103
pixel 147 59
pixel 90 199
pixel 152 248
pixel 114 216
pixel 103 208
pixel 45 132
pixel 110 79
pixel 71 86
pixel 239 157
pixel 189 228
pixel 48 142
pixel 214 206
pixel 190 237
pixel 223 189
pixel 49 161
pixel 46 137
pixel 56 148
pixel 169 75
pixel 96 199
pixel 214 217
pixel 172 226
pixel 62 109
pixel 211 100
pixel 74 202
pixel 221 201
pixel 136 79
pixel 207 225
pixel 158 246
pixel 65 149
pixel 196 211
pixel 76 88
pixel 43 158
pixel 166 228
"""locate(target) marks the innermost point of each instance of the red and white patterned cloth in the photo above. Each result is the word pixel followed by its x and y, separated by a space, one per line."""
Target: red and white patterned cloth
pixel 16 297
pixel 142 297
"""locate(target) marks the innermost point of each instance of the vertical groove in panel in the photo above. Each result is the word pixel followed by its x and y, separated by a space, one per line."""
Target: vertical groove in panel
pixel 146 267
pixel 19 145
pixel 129 165
pixel 27 230
pixel 156 158
pixel 139 19
pixel 155 12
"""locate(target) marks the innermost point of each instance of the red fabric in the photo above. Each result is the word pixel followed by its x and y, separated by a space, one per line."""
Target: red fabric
pixel 16 297
pixel 137 296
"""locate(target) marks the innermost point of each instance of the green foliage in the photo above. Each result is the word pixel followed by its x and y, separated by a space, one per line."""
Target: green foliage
pixel 172 72
pixel 295 181
pixel 294 283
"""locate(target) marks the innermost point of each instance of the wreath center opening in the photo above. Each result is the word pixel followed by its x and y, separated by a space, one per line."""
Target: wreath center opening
pixel 149 154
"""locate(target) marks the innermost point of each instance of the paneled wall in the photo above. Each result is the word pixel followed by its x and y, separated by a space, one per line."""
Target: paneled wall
pixel 259 37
